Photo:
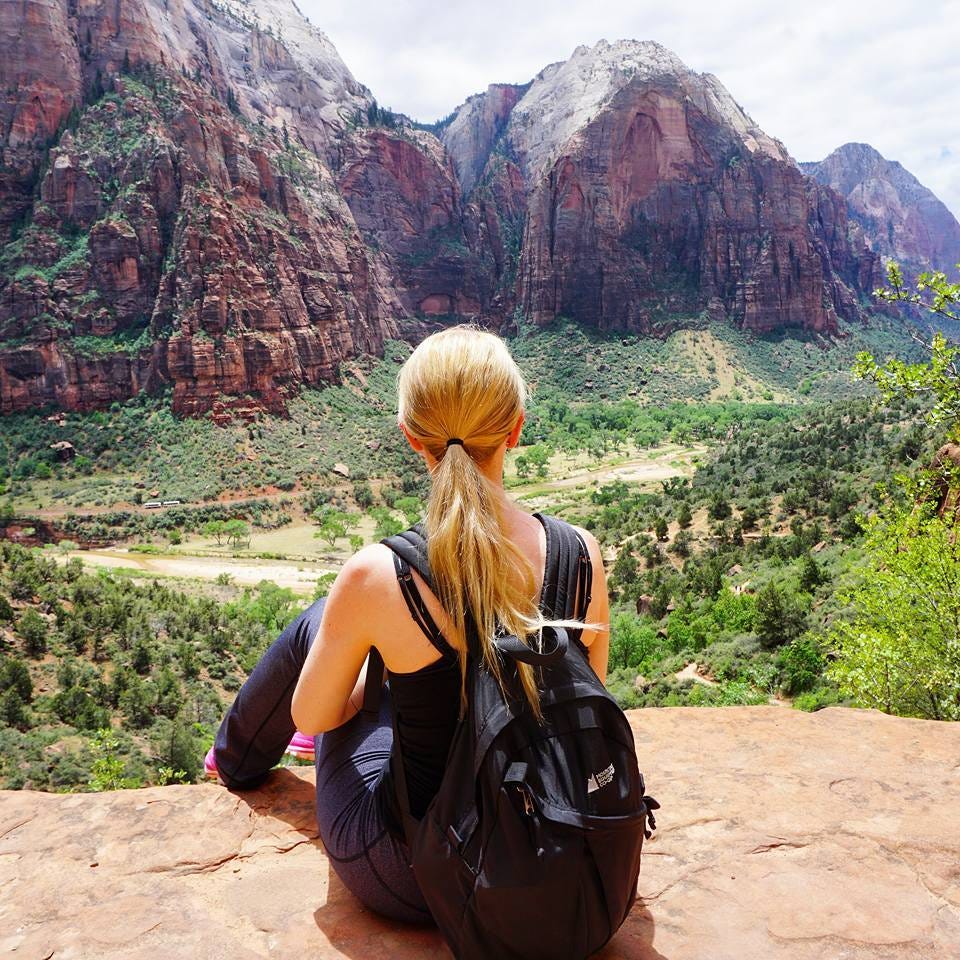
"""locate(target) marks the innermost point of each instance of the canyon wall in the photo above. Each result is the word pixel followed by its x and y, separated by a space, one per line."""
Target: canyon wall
pixel 202 199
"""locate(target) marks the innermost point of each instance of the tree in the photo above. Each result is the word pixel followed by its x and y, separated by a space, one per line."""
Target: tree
pixel 681 544
pixel 136 702
pixel 631 641
pixel 719 508
pixel 625 567
pixel 169 693
pixel 214 528
pixel 363 494
pixel 177 749
pixel 684 517
pixel 13 709
pixel 660 602
pixel 748 517
pixel 652 555
pixel 801 662
pixel 32 629
pixel 410 507
pixel 140 658
pixel 937 379
pixel 108 768
pixel 934 292
pixel 236 530
pixel 333 523
pixel 387 524
pixel 660 528
pixel 811 576
pixel 779 618
pixel 76 706
pixel 538 457
pixel 900 652
pixel 14 675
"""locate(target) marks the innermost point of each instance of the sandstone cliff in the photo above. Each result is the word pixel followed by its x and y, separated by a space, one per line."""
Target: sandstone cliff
pixel 163 224
pixel 899 216
pixel 173 243
pixel 782 836
pixel 651 195
pixel 201 195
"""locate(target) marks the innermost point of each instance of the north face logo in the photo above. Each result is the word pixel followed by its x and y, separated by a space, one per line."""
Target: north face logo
pixel 597 780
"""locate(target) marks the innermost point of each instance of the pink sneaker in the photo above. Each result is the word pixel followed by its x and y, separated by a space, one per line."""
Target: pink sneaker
pixel 210 765
pixel 301 747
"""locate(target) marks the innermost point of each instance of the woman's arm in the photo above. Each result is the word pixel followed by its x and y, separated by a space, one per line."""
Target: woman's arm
pixel 597 641
pixel 330 688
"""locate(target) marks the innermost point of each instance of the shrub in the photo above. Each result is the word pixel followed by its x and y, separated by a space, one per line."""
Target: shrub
pixel 32 629
pixel 900 653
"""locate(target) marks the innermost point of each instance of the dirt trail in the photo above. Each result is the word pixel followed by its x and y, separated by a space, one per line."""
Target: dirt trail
pixel 300 576
pixel 661 463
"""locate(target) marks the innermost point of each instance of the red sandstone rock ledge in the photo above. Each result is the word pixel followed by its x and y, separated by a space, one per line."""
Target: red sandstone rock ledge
pixel 783 836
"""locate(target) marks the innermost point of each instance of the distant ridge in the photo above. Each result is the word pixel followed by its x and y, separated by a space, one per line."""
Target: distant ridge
pixel 900 217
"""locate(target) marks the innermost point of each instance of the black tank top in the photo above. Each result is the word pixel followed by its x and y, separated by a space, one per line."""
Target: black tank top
pixel 427 706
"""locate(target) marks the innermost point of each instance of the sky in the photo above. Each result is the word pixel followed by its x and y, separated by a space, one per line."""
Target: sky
pixel 814 75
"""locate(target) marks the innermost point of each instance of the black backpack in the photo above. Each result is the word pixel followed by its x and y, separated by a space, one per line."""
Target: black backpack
pixel 531 847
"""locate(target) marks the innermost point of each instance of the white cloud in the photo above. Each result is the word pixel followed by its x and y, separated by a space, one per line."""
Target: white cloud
pixel 816 76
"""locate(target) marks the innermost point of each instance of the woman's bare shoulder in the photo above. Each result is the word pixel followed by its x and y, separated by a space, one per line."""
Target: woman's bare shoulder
pixel 364 595
pixel 593 545
pixel 368 569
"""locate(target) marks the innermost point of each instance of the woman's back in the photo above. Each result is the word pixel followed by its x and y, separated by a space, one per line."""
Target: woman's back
pixel 403 645
pixel 426 699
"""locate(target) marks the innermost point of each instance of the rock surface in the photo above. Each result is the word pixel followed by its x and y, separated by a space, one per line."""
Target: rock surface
pixel 782 836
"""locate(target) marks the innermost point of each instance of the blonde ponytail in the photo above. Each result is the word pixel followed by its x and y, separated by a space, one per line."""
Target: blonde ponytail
pixel 462 384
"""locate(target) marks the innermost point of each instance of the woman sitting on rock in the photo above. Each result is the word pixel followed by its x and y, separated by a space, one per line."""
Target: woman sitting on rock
pixel 461 407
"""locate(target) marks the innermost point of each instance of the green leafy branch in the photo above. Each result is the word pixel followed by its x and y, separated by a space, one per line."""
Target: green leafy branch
pixel 939 377
pixel 934 292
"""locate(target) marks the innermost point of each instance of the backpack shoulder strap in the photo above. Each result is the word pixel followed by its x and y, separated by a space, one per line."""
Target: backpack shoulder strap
pixel 411 546
pixel 569 574
pixel 409 551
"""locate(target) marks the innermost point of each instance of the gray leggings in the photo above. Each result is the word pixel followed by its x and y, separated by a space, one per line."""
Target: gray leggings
pixel 350 762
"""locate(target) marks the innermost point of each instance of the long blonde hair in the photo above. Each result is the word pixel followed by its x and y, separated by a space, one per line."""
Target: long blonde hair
pixel 462 383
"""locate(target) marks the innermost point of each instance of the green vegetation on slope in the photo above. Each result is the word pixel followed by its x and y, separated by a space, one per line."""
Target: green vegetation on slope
pixel 81 652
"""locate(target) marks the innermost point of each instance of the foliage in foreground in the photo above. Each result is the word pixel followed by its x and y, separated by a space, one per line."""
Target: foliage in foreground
pixel 901 651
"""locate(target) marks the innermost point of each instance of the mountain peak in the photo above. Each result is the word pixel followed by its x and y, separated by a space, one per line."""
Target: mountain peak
pixel 900 217
pixel 567 95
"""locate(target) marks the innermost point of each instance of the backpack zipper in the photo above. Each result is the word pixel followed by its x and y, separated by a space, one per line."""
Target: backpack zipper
pixel 533 821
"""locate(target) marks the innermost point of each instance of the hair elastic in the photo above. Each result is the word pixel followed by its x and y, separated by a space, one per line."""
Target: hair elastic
pixel 454 440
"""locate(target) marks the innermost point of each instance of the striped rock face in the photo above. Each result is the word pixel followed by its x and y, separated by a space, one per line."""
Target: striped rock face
pixel 204 196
